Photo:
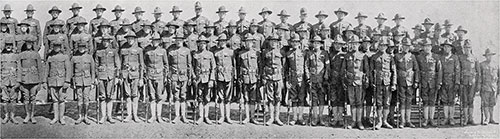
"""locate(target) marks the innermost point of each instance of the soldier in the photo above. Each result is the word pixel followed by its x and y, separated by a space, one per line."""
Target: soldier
pixel 384 81
pixel 199 19
pixel 132 69
pixel 469 69
pixel 176 12
pixel 58 77
pixel 72 21
pixel 407 81
pixel 104 30
pixel 22 35
pixel 56 36
pixel 369 48
pixel 302 22
pixel 283 22
pixel 417 39
pixel 34 28
pixel 355 71
pixel 225 74
pixel 248 75
pixel 192 36
pixel 204 69
pixel 362 29
pixel 9 67
pixel 54 12
pixel 169 34
pixel 316 28
pixel 31 70
pixel 209 34
pixel 122 32
pixel 158 24
pixel 383 29
pixel 459 43
pixel 181 73
pixel 448 34
pixel 137 24
pixel 316 72
pixel 283 31
pixel 80 36
pixel 11 22
pixel 451 82
pixel 430 80
pixel 116 23
pixel 156 63
pixel 427 28
pixel 221 24
pixel 259 38
pixel 325 36
pixel 94 23
pixel 83 80
pixel 398 29
pixel 294 73
pixel 5 34
pixel 437 40
pixel 108 64
pixel 339 26
pixel 273 73
pixel 266 26
pixel 242 24
pixel 304 40
pixel 144 35
pixel 488 79
pixel 234 40
pixel 336 93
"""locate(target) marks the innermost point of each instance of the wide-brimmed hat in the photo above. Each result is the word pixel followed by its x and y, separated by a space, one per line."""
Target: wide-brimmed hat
pixel 172 23
pixel 75 6
pixel 303 11
pixel 265 9
pixel 23 23
pixel 341 10
pixel 7 7
pixel 232 23
pixel 55 9
pixel 155 36
pixel 138 10
pixel 222 9
pixel 427 21
pixel 175 9
pixel 321 13
pixel 361 15
pixel 418 27
pixel 57 23
pixel 398 16
pixel 284 13
pixel 30 8
pixel 338 39
pixel 294 37
pixel 317 39
pixel 381 16
pixel 242 10
pixel 461 28
pixel 130 34
pixel 104 24
pixel 447 42
pixel 202 38
pixel 157 10
pixel 99 7
pixel 488 52
pixel 81 21
pixel 283 27
pixel 406 41
pixel 222 37
pixel 273 36
pixel 209 24
pixel 197 5
pixel 118 8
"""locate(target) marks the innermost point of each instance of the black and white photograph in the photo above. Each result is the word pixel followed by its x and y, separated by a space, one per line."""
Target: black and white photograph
pixel 249 69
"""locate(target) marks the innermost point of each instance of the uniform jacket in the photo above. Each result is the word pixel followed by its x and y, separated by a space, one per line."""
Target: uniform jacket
pixel 431 73
pixel 83 69
pixel 248 66
pixel 451 70
pixel 204 66
pixel 407 69
pixel 488 77
pixel 108 63
pixel 225 61
pixel 354 67
pixel 59 70
pixel 316 65
pixel 179 59
pixel 383 69
pixel 469 68
pixel 132 58
pixel 156 61
pixel 9 73
pixel 31 68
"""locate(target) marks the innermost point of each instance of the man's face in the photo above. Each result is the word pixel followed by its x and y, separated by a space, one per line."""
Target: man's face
pixel 488 57
pixel 106 43
pixel 118 14
pixel 54 14
pixel 202 45
pixel 190 29
pixel 179 42
pixel 273 43
pixel 24 28
pixel 303 17
pixel 198 11
pixel 130 40
pixel 427 27
pixel 406 48
pixel 417 32
pixel 171 29
pixel 354 47
pixel 157 16
pixel 222 15
pixel 264 15
pixel 7 13
pixel 280 32
pixel 30 14
pixel 317 45
pixel 365 45
pixel 242 16
pixel 249 44
pixel 382 47
pixel 427 48
pixel 57 49
pixel 156 43
pixel 447 28
pixel 321 18
pixel 460 33
pixel 75 12
pixel 447 49
pixel 99 12
pixel 232 29
pixel 105 29
pixel 340 15
pixel 295 44
pixel 147 29
pixel 303 34
pixel 283 19
pixel 253 29
pixel 338 46
pixel 138 16
pixel 210 30
pixel 324 32
pixel 176 14
pixel 222 43
pixel 361 20
pixel 380 21
pixel 398 21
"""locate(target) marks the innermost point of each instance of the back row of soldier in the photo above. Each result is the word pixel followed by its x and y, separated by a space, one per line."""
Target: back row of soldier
pixel 246 62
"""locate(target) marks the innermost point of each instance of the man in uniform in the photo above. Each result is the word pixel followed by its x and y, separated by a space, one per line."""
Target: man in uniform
pixel 21 36
pixel 459 43
pixel 71 22
pixel 369 49
pixel 469 68
pixel 430 80
pixel 116 23
pixel 180 75
pixel 221 24
pixel 362 29
pixel 34 28
pixel 144 35
pixel 283 32
pixel 339 26
pixel 266 26
pixel 259 38
pixel 383 79
pixel 11 22
pixel 58 77
pixel 273 59
pixel 156 63
pixel 56 35
pixel 176 13
pixel 108 64
pixel 294 73
pixel 234 41
pixel 83 79
pixel 158 24
pixel 398 28
pixel 248 75
pixel 242 24
pixel 336 93
pixel 488 79
pixel 316 28
pixel 451 82
pixel 304 37
pixel 302 22
pixel 192 36
pixel 225 74
pixel 31 70
pixel 283 22
pixel 448 35
pixel 123 30
pixel 383 29
pixel 132 67
pixel 137 24
pixel 80 36
pixel 210 35
pixel 407 81
pixel 325 36
pixel 204 69
pixel 199 19
pixel 168 35
pixel 316 63
pixel 9 66
pixel 48 29
pixel 427 28
pixel 94 23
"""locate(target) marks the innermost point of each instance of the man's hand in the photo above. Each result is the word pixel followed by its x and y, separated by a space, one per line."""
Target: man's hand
pixel 393 88
pixel 415 85
pixel 141 82
pixel 210 84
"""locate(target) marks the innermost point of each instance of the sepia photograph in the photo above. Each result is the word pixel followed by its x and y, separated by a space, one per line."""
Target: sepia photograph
pixel 249 69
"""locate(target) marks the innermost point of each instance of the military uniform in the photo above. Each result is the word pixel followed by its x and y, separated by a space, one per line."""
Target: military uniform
pixel 83 75
pixel 108 65
pixel 383 78
pixel 316 73
pixel 59 76
pixel 204 69
pixel 336 93
pixel 242 25
pixel 338 27
pixel 273 74
pixel 71 23
pixel 220 27
pixel 408 77
pixel 489 82
pixel 31 72
pixel 11 22
pixel 34 28
pixel 248 73
pixel 225 72
pixel 56 39
pixel 9 74
pixel 180 70
pixel 137 24
pixel 259 40
pixel 307 25
pixel 430 77
pixel 116 23
pixel 156 62
pixel 266 27
pixel 80 38
pixel 450 66
pixel 469 70
pixel 191 38
pixel 355 68
pixel 48 25
pixel 294 73
pixel 131 68
pixel 97 21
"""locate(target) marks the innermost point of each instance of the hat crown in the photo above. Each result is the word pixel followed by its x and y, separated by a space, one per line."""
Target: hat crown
pixel 175 9
pixel 30 8
pixel 447 22
pixel 366 39
pixel 406 41
pixel 118 8
pixel 283 13
pixel 7 7
pixel 155 36
pixel 222 9
pixel 398 16
pixel 242 10
pixel 461 28
pixel 197 4
pixel 54 8
pixel 138 9
pixel 354 39
pixel 254 22
pixel 295 37
pixel 99 6
pixel 361 14
pixel 157 10
pixel 222 36
pixel 104 23
pixel 202 38
pixel 349 28
pixel 265 9
pixel 321 13
pixel 317 38
pixel 274 36
pixel 75 5
pixel 232 23
pixel 303 10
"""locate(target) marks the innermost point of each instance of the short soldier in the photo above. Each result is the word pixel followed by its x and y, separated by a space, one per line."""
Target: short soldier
pixel 11 22
pixel 72 21
pixel 469 70
pixel 168 35
pixel 283 22
pixel 317 61
pixel 56 36
pixel 339 26
pixel 451 82
pixel 355 71
pixel 407 81
pixel 448 35
pixel 204 69
pixel 242 24
pixel 248 75
pixel 23 34
pixel 176 13
pixel 83 79
pixel 383 79
pixel 266 27
pixel 307 26
pixel 221 24
pixel 225 74
pixel 316 28
pixel 132 67
pixel 459 43
pixel 116 23
pixel 54 12
pixel 144 35
pixel 362 29
pixel 79 36
pixel 259 38
pixel 273 59
pixel 488 79
pixel 9 75
pixel 336 90
pixel 137 24
pixel 31 70
pixel 199 19
pixel 430 80
pixel 58 75
pixel 108 64
pixel 96 22
pixel 210 35
pixel 34 28
pixel 192 36
pixel 383 29
pixel 234 41
pixel 294 73
pixel 156 63
pixel 158 24
pixel 180 75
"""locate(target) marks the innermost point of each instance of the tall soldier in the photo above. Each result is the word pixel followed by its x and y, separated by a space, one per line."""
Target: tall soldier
pixel 362 29
pixel 283 22
pixel 204 69
pixel 49 28
pixel 316 71
pixel 430 80
pixel 11 22
pixel 139 21
pixel 407 80
pixel 80 36
pixel 221 24
pixel 22 35
pixel 383 79
pixel 58 77
pixel 383 29
pixel 34 26
pixel 225 74
pixel 340 25
pixel 234 39
pixel 9 75
pixel 307 25
pixel 451 82
pixel 266 26
pixel 71 22
pixel 104 30
pixel 447 32
pixel 459 43
pixel 94 23
pixel 156 63
pixel 469 78
pixel 336 93
pixel 31 70
pixel 123 30
pixel 369 48
pixel 304 37
pixel 427 28
pixel 168 35
pixel 248 75
pixel 176 12
pixel 242 24
pixel 180 75
pixel 83 80
pixel 144 35
pixel 325 36
pixel 488 79
pixel 116 23
pixel 417 39
pixel 316 28
pixel 158 24
pixel 192 36
pixel 355 71
pixel 108 64
pixel 259 38
pixel 283 33
pixel 132 67
pixel 273 59
pixel 210 35
pixel 199 19
pixel 294 73
pixel 56 35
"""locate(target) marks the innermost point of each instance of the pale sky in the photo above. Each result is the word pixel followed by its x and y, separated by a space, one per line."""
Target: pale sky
pixel 480 18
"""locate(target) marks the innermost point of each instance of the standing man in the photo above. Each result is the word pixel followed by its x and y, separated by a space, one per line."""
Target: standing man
pixel 11 22
pixel 235 40
pixel 383 29
pixel 339 26
pixel 9 75
pixel 451 82
pixel 459 43
pixel 407 81
pixel 49 28
pixel 273 59
pixel 199 19
pixel 283 22
pixel 316 28
pixel 221 24
pixel 469 79
pixel 248 75
pixel 137 24
pixel 448 35
pixel 302 22
pixel 336 88
pixel 362 29
pixel 176 12
pixel 316 71
pixel 266 26
pixel 132 69
pixel 294 73
pixel 225 74
pixel 192 36
pixel 83 79
pixel 56 36
pixel 259 38
pixel 34 26
pixel 98 20
pixel 116 23
pixel 488 79
pixel 204 69
pixel 427 28
pixel 242 24
pixel 158 24
pixel 71 22
pixel 80 36
pixel 156 63
pixel 31 76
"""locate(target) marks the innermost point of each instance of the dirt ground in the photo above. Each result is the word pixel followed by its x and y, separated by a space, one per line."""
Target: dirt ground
pixel 144 130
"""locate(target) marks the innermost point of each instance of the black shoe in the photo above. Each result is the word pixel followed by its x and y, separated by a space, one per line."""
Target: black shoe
pixel 493 122
pixel 409 124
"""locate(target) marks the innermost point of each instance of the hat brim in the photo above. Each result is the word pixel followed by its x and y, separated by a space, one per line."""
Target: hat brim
pixel 130 36
pixel 95 9
pixel 209 27
pixel 73 8
pixel 198 41
pixel 117 10
pixel 157 13
pixel 418 29
pixel 26 24
pixel 175 11
pixel 27 10
pixel 270 12
pixel 446 44
pixel 325 15
pixel 363 16
pixel 136 12
pixel 465 31
pixel 285 15
pixel 53 25
pixel 84 23
pixel 399 18
pixel 222 11
pixel 427 23
pixel 346 13
pixel 489 54
pixel 7 10
pixel 53 10
pixel 384 18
